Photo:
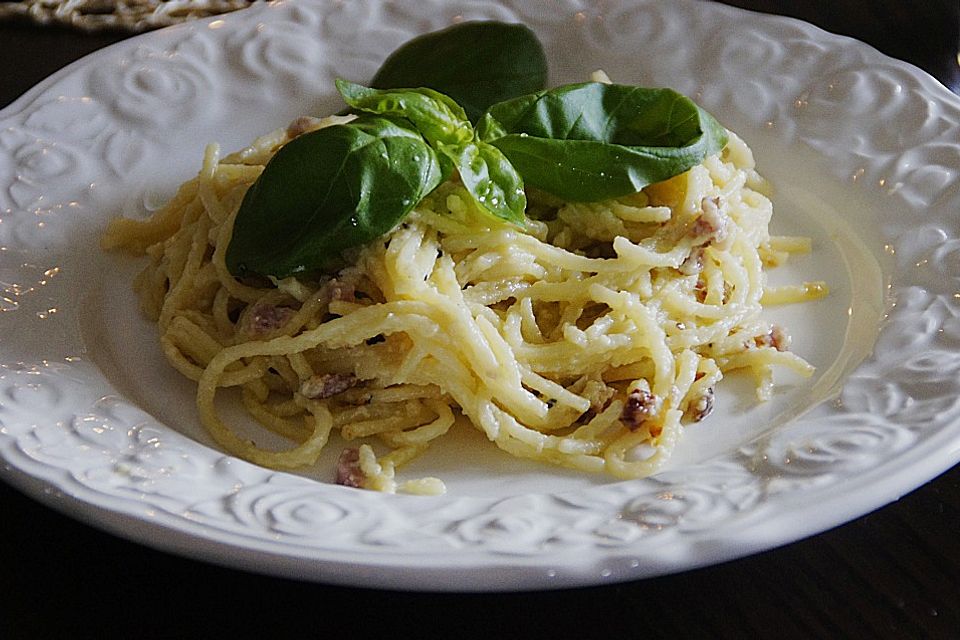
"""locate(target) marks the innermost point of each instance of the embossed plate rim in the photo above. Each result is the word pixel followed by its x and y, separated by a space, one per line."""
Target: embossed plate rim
pixel 118 470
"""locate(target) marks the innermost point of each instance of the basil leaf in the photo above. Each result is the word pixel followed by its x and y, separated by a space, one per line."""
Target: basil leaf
pixel 328 190
pixel 593 141
pixel 439 119
pixel 477 64
pixel 486 173
pixel 490 178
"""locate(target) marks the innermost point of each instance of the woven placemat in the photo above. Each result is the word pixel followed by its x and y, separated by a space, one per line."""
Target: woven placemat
pixel 120 15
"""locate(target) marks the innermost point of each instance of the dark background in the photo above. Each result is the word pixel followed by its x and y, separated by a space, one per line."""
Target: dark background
pixel 892 574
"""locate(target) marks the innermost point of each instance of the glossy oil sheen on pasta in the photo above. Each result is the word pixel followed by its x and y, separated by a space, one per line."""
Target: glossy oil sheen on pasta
pixel 586 339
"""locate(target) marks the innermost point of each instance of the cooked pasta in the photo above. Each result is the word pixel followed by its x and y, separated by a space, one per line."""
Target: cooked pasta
pixel 586 339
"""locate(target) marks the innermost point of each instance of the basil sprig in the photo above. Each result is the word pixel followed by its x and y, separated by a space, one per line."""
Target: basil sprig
pixel 346 185
pixel 488 176
pixel 329 190
pixel 592 141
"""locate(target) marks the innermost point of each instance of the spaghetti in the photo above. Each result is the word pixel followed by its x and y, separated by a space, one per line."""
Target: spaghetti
pixel 586 339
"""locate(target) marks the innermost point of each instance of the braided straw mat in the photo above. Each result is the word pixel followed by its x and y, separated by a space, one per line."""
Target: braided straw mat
pixel 129 15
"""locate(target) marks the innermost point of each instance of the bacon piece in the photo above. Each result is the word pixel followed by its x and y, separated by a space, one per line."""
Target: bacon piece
pixel 340 290
pixel 263 319
pixel 700 290
pixel 640 406
pixel 302 125
pixel 702 407
pixel 711 226
pixel 327 385
pixel 776 338
pixel 349 473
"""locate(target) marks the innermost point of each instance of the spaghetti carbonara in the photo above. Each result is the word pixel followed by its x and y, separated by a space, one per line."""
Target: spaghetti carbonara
pixel 586 339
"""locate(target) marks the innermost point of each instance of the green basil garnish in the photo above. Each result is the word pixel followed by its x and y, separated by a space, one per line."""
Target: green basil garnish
pixel 329 190
pixel 439 119
pixel 486 173
pixel 492 181
pixel 477 64
pixel 593 141
pixel 347 185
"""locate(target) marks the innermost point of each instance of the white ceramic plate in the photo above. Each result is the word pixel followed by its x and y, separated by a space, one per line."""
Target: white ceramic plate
pixel 863 152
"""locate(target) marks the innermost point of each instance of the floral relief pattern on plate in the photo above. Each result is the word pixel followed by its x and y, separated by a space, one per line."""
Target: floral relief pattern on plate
pixel 97 139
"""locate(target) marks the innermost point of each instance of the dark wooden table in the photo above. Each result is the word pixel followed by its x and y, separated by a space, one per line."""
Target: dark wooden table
pixel 894 573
